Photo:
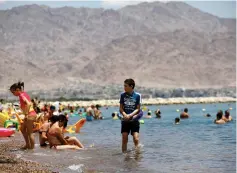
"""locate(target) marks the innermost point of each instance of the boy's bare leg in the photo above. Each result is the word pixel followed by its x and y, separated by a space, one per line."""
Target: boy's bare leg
pixel 124 141
pixel 136 138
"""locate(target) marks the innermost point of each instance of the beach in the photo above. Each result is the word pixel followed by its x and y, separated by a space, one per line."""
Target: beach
pixel 9 162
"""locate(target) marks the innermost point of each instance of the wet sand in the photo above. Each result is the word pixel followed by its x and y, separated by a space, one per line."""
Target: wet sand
pixel 9 162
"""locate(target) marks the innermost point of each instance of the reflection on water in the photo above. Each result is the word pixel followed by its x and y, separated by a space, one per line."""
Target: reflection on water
pixel 197 145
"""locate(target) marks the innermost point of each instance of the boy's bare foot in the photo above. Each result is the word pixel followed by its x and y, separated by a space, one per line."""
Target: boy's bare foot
pixel 24 148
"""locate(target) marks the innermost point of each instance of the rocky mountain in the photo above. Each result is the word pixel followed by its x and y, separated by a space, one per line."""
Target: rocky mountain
pixel 167 60
pixel 161 45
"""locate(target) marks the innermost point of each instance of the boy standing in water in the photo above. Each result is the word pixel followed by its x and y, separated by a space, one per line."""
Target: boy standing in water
pixel 130 103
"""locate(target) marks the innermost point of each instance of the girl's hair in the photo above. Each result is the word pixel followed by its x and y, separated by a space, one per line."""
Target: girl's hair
pixel 54 119
pixel 18 85
pixel 63 118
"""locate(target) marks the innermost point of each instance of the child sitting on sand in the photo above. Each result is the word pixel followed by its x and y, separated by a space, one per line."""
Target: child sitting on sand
pixel 56 138
pixel 44 129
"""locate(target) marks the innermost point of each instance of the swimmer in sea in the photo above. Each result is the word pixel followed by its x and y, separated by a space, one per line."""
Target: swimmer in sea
pixel 177 120
pixel 184 114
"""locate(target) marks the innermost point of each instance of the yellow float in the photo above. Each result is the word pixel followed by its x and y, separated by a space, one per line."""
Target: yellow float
pixel 77 126
pixel 3 117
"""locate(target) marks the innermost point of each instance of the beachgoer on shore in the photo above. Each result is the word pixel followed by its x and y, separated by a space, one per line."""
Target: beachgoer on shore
pixel 17 89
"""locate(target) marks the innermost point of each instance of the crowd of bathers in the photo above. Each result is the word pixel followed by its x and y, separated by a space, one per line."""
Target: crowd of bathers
pixel 221 118
pixel 53 120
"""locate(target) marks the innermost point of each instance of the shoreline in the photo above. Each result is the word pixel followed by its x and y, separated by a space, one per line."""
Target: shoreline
pixel 154 101
pixel 9 162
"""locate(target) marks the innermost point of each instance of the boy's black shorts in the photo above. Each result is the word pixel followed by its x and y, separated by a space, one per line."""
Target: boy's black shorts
pixel 127 126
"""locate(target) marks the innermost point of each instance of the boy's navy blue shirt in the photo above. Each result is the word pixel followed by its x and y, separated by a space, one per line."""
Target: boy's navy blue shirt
pixel 130 101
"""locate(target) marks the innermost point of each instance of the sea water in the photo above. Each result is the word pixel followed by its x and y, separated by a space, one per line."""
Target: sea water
pixel 196 145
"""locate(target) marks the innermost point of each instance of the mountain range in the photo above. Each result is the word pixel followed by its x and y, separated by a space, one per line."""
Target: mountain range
pixel 160 45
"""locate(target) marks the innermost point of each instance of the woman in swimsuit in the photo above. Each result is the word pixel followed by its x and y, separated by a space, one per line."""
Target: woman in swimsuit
pixel 56 138
pixel 17 89
pixel 44 129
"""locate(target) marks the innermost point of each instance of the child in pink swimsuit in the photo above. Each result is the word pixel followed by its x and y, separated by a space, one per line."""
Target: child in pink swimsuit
pixel 17 89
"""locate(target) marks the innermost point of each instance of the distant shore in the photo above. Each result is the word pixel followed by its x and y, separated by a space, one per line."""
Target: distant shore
pixel 155 101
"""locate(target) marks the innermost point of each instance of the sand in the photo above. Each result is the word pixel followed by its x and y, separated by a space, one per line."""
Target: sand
pixel 9 163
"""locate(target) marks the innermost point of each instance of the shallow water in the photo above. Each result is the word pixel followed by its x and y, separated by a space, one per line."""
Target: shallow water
pixel 197 145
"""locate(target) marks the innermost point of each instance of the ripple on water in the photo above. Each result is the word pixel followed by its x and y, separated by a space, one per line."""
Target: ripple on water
pixel 77 168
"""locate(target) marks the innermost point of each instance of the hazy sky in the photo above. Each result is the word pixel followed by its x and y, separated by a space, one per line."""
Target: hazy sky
pixel 225 9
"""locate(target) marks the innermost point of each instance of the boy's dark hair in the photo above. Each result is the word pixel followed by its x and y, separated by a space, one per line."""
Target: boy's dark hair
pixel 186 110
pixel 130 82
pixel 18 85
